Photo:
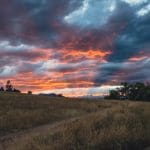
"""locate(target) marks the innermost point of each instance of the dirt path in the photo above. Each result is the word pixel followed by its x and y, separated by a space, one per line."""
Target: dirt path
pixel 7 141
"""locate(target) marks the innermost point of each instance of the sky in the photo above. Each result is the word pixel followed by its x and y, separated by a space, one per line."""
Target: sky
pixel 74 47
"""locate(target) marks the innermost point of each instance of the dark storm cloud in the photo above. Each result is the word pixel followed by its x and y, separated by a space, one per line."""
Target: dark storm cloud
pixel 133 39
pixel 15 54
pixel 121 31
pixel 41 22
pixel 32 21
pixel 125 71
pixel 125 33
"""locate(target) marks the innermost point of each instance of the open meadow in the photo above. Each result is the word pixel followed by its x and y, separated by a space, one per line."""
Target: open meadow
pixel 31 122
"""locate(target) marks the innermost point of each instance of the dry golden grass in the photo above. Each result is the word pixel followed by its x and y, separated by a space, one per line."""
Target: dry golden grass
pixel 20 111
pixel 104 125
pixel 123 127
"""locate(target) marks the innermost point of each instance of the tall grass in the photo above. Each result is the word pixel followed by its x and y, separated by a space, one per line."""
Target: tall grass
pixel 102 125
pixel 20 111
pixel 125 126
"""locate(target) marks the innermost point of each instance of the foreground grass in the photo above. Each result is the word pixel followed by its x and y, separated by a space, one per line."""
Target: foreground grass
pixel 19 112
pixel 123 127
pixel 102 125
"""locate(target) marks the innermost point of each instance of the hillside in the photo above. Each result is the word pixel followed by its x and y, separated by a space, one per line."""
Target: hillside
pixel 30 122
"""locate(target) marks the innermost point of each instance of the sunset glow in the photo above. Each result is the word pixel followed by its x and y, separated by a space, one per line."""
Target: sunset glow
pixel 76 48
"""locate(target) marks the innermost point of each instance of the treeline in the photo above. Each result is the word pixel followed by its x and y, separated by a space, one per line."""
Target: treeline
pixel 9 88
pixel 129 91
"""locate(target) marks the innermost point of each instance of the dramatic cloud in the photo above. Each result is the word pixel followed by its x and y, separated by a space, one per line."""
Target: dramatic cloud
pixel 74 46
pixel 132 71
pixel 87 13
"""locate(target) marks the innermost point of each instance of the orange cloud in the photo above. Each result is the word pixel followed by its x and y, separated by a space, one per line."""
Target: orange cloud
pixel 74 69
pixel 78 55
pixel 140 56
pixel 38 83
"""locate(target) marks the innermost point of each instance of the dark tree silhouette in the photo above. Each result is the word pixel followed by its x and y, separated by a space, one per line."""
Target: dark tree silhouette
pixel 114 94
pixel 15 90
pixel 30 92
pixel 9 87
pixel 137 91
pixel 2 89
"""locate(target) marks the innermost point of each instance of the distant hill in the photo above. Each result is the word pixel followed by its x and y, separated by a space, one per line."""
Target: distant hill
pixel 51 95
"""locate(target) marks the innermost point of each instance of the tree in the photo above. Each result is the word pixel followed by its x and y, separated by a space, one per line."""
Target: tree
pixel 30 92
pixel 2 89
pixel 114 94
pixel 137 91
pixel 124 90
pixel 9 87
pixel 17 91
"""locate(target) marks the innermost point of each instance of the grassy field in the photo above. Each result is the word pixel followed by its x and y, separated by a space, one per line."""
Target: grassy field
pixel 19 112
pixel 100 125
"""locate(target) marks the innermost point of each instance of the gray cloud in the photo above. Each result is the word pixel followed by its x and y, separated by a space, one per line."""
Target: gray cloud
pixel 27 24
pixel 125 71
